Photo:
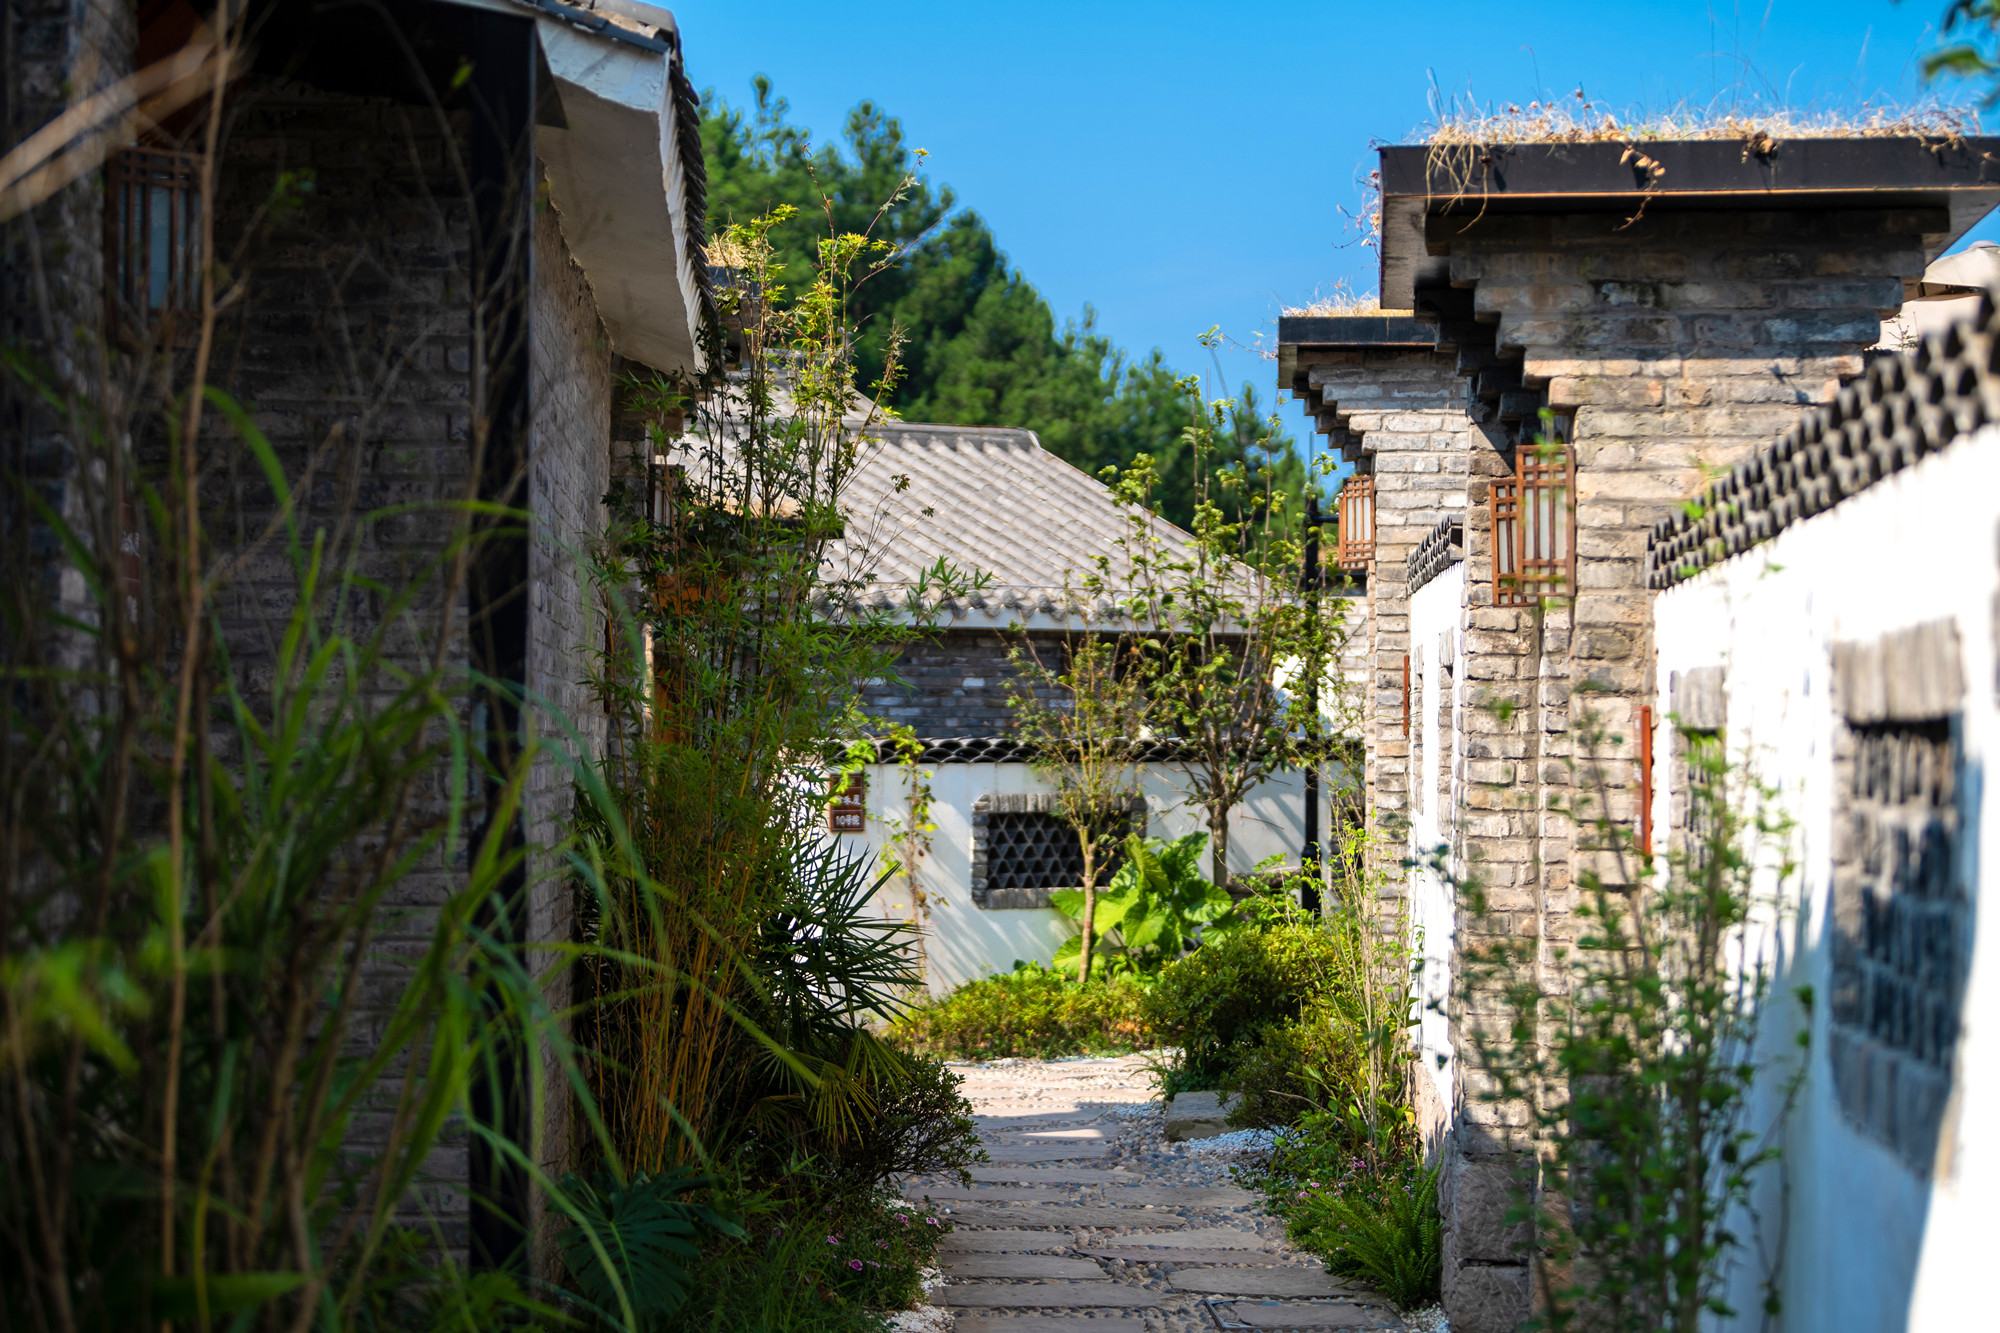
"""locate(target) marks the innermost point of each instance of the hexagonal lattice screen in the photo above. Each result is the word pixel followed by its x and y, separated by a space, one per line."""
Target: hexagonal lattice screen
pixel 1026 850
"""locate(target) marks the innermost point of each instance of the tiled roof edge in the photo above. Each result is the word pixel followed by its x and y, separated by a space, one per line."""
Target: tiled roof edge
pixel 1442 547
pixel 1902 409
pixel 1004 750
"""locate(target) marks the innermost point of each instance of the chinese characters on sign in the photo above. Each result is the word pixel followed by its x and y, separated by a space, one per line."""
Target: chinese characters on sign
pixel 849 811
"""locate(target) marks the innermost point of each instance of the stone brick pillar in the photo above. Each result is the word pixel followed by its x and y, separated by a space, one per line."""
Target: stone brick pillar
pixel 1667 347
pixel 1394 405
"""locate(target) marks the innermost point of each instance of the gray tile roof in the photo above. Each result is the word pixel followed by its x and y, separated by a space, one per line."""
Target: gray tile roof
pixel 985 498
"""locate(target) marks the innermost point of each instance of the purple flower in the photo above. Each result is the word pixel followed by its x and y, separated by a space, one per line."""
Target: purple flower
pixel 933 1221
pixel 904 1218
pixel 832 1239
pixel 881 1244
pixel 856 1265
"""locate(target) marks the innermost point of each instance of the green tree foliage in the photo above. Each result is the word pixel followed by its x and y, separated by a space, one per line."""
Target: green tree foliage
pixel 981 344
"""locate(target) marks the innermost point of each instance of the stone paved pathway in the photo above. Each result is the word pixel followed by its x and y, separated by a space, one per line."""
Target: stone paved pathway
pixel 1088 1221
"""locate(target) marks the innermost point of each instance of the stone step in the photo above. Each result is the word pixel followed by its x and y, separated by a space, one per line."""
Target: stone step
pixel 1266 1282
pixel 1018 1266
pixel 1020 1114
pixel 1184 1196
pixel 991 1193
pixel 1155 1254
pixel 1198 1115
pixel 1004 1242
pixel 1053 1175
pixel 1023 1154
pixel 1049 1323
pixel 1305 1315
pixel 1201 1238
pixel 1057 1215
pixel 1100 1295
pixel 1090 1133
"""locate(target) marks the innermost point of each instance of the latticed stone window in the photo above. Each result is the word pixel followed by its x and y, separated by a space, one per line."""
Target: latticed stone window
pixel 152 234
pixel 1357 523
pixel 1032 851
pixel 1902 919
pixel 1534 524
pixel 1021 850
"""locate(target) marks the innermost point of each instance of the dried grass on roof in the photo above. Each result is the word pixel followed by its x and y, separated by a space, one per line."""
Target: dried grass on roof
pixel 1578 119
pixel 1340 299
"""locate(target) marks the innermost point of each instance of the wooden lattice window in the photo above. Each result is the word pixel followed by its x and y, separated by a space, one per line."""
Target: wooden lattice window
pixel 152 233
pixel 1357 523
pixel 1534 525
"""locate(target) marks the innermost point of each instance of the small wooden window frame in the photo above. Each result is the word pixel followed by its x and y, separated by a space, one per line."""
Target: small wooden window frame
pixel 1645 779
pixel 1534 524
pixel 152 235
pixel 1357 523
pixel 1406 695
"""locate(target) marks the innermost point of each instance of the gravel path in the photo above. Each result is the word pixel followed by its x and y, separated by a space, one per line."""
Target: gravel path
pixel 1088 1220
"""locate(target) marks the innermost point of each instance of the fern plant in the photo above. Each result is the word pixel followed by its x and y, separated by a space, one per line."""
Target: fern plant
pixel 1381 1229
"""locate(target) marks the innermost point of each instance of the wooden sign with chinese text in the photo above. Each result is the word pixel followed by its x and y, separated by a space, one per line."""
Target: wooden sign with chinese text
pixel 849 811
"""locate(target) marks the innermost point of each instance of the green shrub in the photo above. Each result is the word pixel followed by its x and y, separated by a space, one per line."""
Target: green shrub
pixel 1378 1225
pixel 813 1261
pixel 1292 1068
pixel 1030 1011
pixel 920 1125
pixel 1220 1000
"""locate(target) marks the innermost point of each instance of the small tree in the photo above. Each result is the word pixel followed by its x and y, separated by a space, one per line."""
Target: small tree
pixel 1080 724
pixel 1225 624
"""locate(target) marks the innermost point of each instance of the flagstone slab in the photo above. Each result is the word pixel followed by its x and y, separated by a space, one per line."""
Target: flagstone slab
pixel 990 1193
pixel 1083 1133
pixel 1102 1295
pixel 1158 1254
pixel 1184 1196
pixel 989 1242
pixel 1054 1175
pixel 1018 1265
pixel 1266 1282
pixel 1201 1238
pixel 1057 1215
pixel 1022 1154
pixel 1049 1323
pixel 1304 1315
pixel 1054 1117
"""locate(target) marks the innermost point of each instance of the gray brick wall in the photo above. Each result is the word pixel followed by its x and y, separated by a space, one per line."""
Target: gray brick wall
pixel 350 349
pixel 59 52
pixel 954 682
pixel 569 471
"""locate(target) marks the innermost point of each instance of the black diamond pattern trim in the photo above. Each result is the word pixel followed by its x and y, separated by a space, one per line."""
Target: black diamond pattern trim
pixel 1902 409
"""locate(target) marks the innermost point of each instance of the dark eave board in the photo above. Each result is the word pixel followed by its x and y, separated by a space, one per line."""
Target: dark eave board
pixel 1961 175
pixel 1345 333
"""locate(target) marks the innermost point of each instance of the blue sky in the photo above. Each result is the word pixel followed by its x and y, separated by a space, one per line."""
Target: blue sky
pixel 1178 166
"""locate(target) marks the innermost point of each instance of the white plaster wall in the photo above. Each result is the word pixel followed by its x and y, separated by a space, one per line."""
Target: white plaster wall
pixel 1867 1244
pixel 964 942
pixel 1434 613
